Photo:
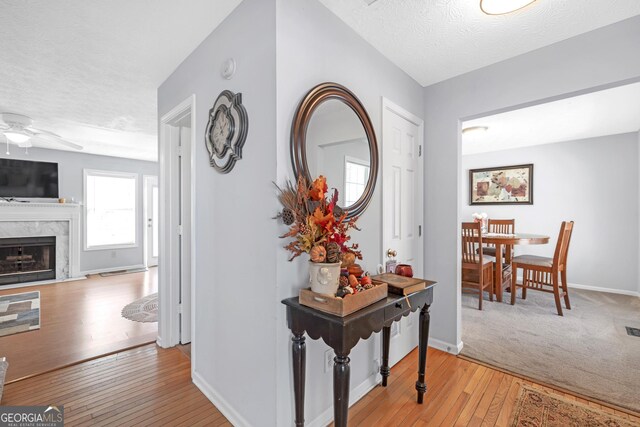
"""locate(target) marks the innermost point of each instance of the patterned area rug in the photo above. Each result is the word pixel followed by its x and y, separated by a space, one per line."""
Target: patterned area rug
pixel 536 408
pixel 19 313
pixel 3 372
pixel 142 310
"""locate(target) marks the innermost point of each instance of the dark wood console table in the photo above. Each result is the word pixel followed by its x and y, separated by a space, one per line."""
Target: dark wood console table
pixel 343 333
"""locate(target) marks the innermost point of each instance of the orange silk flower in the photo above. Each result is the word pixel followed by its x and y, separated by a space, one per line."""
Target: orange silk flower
pixel 318 188
pixel 321 220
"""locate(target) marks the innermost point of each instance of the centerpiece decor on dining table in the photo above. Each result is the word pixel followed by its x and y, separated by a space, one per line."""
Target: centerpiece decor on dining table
pixel 320 228
pixel 505 185
pixel 483 219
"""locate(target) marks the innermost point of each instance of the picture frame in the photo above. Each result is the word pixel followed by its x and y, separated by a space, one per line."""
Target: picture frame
pixel 501 185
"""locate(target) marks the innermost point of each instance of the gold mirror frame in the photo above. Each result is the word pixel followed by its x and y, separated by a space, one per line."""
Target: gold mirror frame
pixel 312 100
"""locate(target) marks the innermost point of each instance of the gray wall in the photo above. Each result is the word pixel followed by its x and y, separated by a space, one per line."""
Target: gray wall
pixel 315 46
pixel 588 181
pixel 601 57
pixel 71 182
pixel 235 284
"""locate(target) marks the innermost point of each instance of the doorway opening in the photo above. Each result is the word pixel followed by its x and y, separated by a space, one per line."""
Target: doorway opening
pixel 558 298
pixel 176 225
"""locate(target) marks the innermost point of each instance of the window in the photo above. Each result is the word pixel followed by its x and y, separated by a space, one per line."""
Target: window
pixel 110 206
pixel 356 175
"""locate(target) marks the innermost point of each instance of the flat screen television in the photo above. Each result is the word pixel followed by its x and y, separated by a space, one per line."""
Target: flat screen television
pixel 27 179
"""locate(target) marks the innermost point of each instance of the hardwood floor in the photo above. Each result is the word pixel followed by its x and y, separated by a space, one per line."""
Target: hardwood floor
pixel 140 387
pixel 79 320
pixel 152 386
pixel 460 393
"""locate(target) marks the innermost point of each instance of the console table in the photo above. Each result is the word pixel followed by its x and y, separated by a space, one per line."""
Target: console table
pixel 343 333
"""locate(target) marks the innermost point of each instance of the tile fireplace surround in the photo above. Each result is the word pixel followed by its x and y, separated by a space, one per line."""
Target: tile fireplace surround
pixel 61 220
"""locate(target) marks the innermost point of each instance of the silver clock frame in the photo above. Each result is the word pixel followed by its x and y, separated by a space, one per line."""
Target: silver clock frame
pixel 226 131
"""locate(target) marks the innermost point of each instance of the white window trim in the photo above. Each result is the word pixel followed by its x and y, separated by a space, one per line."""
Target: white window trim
pixel 357 161
pixel 96 172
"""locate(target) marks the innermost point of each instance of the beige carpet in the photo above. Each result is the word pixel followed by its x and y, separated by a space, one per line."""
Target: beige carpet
pixel 587 351
pixel 535 408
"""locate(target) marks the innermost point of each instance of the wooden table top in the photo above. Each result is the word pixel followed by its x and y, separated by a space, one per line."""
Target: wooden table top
pixel 516 239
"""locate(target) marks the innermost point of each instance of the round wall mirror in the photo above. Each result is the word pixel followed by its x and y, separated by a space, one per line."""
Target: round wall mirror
pixel 332 135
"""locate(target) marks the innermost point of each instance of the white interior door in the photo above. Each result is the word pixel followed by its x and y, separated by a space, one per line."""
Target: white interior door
pixel 403 210
pixel 151 219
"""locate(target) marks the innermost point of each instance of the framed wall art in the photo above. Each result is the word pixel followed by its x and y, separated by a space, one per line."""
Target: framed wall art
pixel 505 185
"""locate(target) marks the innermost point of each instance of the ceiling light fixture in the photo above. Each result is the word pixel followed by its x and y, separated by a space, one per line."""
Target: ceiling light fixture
pixel 475 129
pixel 16 137
pixel 502 7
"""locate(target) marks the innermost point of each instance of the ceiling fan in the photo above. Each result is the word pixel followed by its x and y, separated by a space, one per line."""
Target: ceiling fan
pixel 17 129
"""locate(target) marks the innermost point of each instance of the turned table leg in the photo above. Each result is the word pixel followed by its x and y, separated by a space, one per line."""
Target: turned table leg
pixel 341 390
pixel 423 339
pixel 384 368
pixel 298 348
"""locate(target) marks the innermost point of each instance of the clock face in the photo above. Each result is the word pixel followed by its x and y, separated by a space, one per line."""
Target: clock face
pixel 220 131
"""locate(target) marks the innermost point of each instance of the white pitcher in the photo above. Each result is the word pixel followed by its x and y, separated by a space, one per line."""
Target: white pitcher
pixel 324 277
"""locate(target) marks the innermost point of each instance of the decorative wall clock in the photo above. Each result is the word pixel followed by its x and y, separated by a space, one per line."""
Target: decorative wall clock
pixel 226 131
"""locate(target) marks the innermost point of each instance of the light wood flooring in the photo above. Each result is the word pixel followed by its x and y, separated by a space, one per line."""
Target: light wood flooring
pixel 79 320
pixel 152 386
pixel 147 386
pixel 460 393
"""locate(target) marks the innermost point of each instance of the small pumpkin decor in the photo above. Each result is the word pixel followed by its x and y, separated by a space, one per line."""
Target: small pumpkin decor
pixel 319 228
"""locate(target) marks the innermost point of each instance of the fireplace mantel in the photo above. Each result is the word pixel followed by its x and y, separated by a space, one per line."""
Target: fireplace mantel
pixel 16 212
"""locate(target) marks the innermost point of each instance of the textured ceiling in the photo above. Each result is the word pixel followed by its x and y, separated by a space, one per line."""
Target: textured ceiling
pixel 433 40
pixel 608 112
pixel 89 69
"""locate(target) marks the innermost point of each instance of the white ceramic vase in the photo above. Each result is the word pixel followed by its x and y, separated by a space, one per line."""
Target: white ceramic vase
pixel 324 277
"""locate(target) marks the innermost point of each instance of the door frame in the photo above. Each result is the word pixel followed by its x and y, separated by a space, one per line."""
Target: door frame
pixel 146 211
pixel 409 322
pixel 168 279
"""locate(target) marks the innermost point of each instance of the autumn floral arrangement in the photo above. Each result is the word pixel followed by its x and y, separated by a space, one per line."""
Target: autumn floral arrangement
pixel 320 228
pixel 316 223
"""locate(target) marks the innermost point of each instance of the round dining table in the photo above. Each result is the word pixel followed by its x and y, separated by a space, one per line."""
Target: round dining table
pixel 508 241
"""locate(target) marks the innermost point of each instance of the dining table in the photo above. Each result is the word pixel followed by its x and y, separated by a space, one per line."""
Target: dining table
pixel 508 241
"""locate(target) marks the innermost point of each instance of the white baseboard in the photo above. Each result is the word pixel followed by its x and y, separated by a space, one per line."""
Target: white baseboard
pixel 595 288
pixel 41 283
pixel 600 289
pixel 222 405
pixel 445 346
pixel 355 394
pixel 111 269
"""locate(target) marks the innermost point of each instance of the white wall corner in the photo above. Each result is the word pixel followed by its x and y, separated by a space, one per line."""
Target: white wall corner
pixel 445 346
pixel 355 394
pixel 230 413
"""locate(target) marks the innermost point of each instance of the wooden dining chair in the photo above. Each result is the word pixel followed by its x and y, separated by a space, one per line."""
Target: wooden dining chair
pixel 502 226
pixel 541 273
pixel 477 269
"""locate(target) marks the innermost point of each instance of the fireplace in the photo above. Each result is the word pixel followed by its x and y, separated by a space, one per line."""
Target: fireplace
pixel 27 259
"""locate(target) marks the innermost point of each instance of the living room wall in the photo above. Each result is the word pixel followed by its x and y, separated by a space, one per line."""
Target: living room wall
pixel 234 343
pixel 71 182
pixel 587 181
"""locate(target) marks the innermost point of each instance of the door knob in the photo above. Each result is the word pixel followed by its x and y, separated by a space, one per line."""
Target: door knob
pixel 391 253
